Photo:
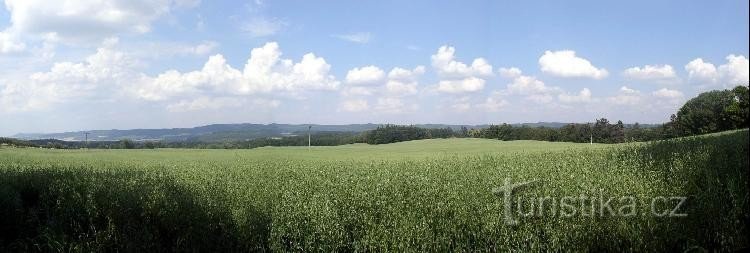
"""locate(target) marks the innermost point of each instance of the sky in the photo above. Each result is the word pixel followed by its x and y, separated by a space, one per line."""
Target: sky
pixel 121 64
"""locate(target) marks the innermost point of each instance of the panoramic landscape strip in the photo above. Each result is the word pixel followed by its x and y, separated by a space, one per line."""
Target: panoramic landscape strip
pixel 374 126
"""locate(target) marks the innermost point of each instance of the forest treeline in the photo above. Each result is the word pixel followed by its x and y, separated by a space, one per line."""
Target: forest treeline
pixel 709 112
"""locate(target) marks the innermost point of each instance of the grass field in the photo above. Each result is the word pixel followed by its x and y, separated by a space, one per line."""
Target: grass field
pixel 429 195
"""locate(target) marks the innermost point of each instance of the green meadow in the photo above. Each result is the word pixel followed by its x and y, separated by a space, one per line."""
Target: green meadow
pixel 427 195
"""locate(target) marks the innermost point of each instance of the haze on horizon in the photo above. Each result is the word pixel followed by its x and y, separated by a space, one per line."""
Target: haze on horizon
pixel 124 64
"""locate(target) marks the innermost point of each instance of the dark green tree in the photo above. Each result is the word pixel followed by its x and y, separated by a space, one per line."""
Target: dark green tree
pixel 712 111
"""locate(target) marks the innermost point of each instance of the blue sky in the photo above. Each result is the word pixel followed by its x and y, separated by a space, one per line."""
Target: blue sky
pixel 74 65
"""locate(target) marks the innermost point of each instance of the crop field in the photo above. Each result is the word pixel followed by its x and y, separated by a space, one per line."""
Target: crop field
pixel 431 195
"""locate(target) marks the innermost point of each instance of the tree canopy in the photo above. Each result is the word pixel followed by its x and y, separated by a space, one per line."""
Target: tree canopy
pixel 713 111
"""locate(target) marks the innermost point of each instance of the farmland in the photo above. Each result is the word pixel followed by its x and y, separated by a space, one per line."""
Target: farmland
pixel 428 195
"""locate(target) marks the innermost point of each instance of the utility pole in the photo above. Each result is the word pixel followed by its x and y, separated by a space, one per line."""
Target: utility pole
pixel 308 137
pixel 86 139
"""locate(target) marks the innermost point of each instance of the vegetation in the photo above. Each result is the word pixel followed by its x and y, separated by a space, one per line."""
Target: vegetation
pixel 394 133
pixel 429 195
pixel 713 111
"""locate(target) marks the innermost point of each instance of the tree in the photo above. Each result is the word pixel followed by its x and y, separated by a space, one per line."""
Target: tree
pixel 738 110
pixel 618 132
pixel 713 111
pixel 127 144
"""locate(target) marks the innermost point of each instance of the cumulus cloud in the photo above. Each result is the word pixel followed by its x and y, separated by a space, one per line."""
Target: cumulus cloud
pixel 626 96
pixel 565 63
pixel 360 37
pixel 651 73
pixel 358 91
pixel 469 84
pixel 529 85
pixel 265 71
pixel 210 103
pixel 705 74
pixel 402 82
pixel 667 93
pixel 392 105
pixel 667 97
pixel 88 19
pixel 510 72
pixel 457 77
pixel 10 44
pixel 444 62
pixel 626 90
pixel 735 71
pixel 582 97
pixel 700 71
pixel 495 102
pixel 368 75
pixel 101 74
pixel 372 81
pixel 109 72
pixel 405 74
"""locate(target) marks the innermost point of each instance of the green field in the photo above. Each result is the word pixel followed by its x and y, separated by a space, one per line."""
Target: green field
pixel 428 195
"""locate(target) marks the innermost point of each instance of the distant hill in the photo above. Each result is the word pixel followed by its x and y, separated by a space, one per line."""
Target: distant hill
pixel 232 132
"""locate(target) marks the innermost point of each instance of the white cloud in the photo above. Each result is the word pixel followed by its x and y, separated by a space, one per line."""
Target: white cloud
pixel 529 85
pixel 626 90
pixel 400 88
pixel 391 88
pixel 495 102
pixel 393 106
pixel 403 82
pixel 446 65
pixel 160 50
pixel 368 75
pixel 651 72
pixel 88 19
pixel 457 77
pixel 205 103
pixel 265 71
pixel 10 44
pixel 406 75
pixel 510 72
pixel 667 93
pixel 355 105
pixel 357 91
pixel 626 96
pixel 565 63
pixel 469 84
pixel 730 74
pixel 667 97
pixel 582 97
pixel 203 48
pixel 98 77
pixel 262 27
pixel 700 71
pixel 735 71
pixel 112 74
pixel 625 100
pixel 360 37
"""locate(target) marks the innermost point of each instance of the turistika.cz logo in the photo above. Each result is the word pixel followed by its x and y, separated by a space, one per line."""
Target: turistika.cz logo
pixel 516 207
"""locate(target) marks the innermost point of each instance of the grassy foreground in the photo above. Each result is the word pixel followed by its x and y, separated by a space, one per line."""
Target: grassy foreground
pixel 430 195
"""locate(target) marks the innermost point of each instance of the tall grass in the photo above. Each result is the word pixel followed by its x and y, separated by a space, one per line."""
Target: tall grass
pixel 147 201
